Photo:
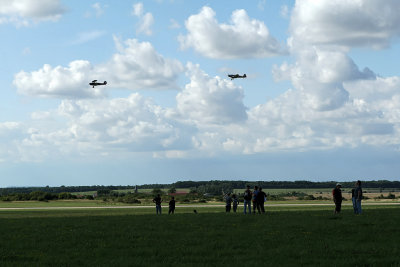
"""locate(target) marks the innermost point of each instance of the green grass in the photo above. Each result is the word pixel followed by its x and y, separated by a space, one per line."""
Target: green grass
pixel 285 236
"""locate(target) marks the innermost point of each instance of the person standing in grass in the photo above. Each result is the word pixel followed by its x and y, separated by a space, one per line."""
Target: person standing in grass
pixel 247 199
pixel 171 206
pixel 158 201
pixel 358 195
pixel 261 197
pixel 337 198
pixel 228 200
pixel 353 199
pixel 235 202
pixel 254 199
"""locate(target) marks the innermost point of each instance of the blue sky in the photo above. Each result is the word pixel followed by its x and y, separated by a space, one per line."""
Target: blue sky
pixel 321 100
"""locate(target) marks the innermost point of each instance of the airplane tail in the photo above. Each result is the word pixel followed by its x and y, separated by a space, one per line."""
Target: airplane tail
pixel 244 75
pixel 105 82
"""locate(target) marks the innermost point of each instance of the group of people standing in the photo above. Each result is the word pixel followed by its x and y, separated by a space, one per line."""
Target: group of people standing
pixel 356 197
pixel 157 200
pixel 257 197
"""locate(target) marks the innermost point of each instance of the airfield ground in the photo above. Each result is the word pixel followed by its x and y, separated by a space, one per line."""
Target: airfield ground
pixel 286 236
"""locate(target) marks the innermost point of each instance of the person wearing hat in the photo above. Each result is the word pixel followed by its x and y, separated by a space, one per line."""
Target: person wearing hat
pixel 337 197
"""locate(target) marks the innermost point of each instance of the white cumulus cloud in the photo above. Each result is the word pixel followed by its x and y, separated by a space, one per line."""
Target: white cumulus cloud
pixel 211 99
pixel 23 12
pixel 146 20
pixel 63 82
pixel 136 65
pixel 370 23
pixel 244 37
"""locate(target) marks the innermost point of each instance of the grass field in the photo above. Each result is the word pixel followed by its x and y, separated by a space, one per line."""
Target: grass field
pixel 285 236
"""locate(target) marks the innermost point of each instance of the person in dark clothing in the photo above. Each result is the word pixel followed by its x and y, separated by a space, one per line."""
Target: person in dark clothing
pixel 247 200
pixel 254 199
pixel 337 198
pixel 353 200
pixel 228 200
pixel 157 200
pixel 235 202
pixel 171 206
pixel 261 196
pixel 358 194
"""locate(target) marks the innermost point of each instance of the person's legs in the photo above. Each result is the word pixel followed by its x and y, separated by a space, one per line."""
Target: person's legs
pixel 338 207
pixel 262 207
pixel 247 206
pixel 359 207
pixel 234 208
pixel 353 199
pixel 244 206
pixel 254 206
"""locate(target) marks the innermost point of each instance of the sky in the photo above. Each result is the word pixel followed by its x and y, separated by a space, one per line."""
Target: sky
pixel 321 100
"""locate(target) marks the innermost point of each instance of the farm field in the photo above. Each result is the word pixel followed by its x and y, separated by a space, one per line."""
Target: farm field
pixel 289 236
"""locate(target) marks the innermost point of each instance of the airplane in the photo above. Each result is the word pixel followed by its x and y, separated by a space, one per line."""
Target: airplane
pixel 234 76
pixel 95 83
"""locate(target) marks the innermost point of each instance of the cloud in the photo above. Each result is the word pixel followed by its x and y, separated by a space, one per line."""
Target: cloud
pixel 243 38
pixel 60 82
pixel 333 104
pixel 210 100
pixel 174 24
pixel 23 12
pixel 284 11
pixel 136 66
pixel 131 124
pixel 319 74
pixel 322 33
pixel 99 10
pixel 85 37
pixel 361 23
pixel 146 20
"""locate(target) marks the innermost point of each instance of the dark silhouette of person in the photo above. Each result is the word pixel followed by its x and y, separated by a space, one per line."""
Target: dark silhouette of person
pixel 158 201
pixel 261 196
pixel 358 194
pixel 235 202
pixel 247 200
pixel 171 206
pixel 254 199
pixel 228 200
pixel 337 198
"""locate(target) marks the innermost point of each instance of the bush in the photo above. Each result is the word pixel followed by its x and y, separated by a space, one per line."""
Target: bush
pixel 129 199
pixel 157 191
pixel 307 197
pixel 66 196
pixel 172 190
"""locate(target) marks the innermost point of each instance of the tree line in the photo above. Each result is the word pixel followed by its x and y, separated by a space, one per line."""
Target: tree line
pixel 212 186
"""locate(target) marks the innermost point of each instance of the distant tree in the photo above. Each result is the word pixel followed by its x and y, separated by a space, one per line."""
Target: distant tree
pixel 157 191
pixel 172 190
pixel 103 192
